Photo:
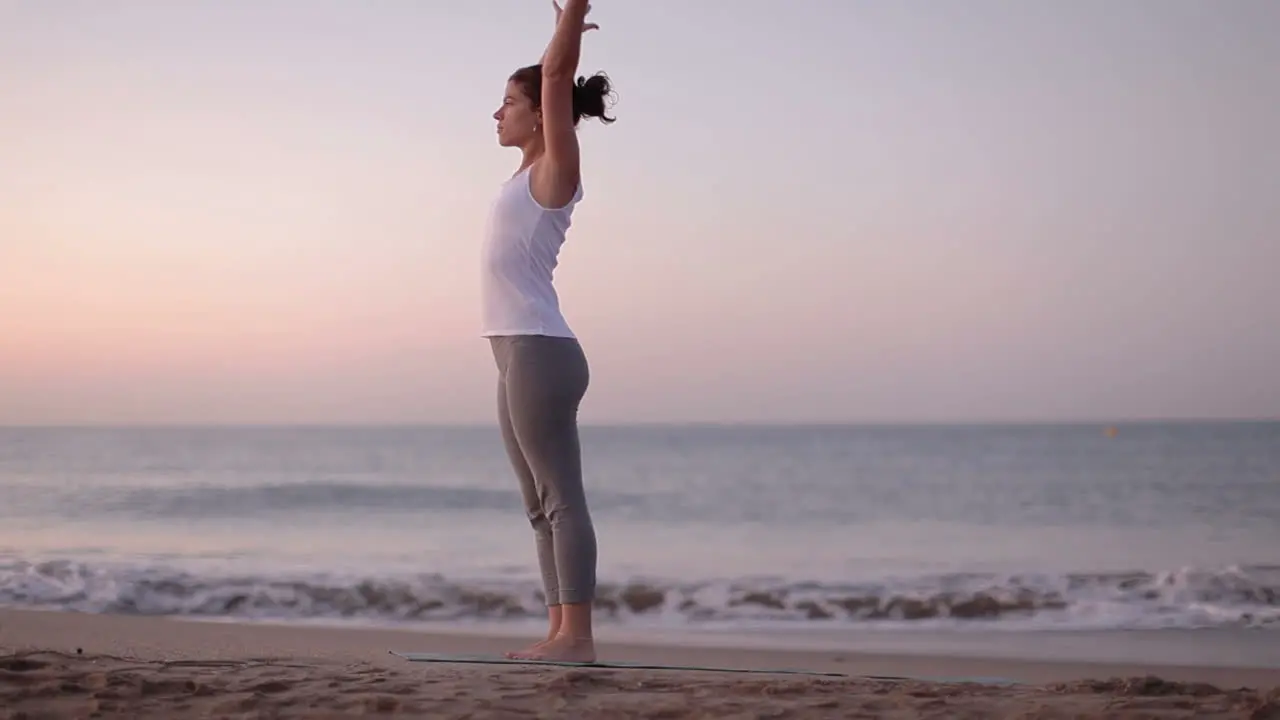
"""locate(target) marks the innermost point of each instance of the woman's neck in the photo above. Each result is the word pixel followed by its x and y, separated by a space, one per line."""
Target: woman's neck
pixel 532 153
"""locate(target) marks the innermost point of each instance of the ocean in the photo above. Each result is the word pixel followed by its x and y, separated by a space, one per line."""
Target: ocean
pixel 733 531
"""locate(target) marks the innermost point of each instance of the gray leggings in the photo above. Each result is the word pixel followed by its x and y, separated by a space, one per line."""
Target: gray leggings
pixel 541 380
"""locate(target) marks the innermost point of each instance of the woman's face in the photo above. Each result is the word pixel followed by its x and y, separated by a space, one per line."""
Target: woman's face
pixel 518 121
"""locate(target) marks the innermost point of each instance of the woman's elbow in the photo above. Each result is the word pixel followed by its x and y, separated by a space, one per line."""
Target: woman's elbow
pixel 552 72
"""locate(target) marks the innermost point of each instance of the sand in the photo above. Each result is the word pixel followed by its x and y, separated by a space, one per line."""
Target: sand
pixel 60 665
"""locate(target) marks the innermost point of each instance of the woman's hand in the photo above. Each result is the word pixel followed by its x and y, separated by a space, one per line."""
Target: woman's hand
pixel 585 26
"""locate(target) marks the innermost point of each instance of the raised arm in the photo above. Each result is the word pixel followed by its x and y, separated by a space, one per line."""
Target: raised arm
pixel 559 11
pixel 556 179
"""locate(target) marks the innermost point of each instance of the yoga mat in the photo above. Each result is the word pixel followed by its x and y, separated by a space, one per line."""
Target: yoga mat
pixel 621 665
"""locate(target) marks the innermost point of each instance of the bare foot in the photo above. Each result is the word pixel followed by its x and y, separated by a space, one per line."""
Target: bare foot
pixel 522 654
pixel 561 648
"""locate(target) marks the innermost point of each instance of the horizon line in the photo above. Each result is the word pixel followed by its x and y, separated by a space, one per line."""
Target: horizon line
pixel 403 425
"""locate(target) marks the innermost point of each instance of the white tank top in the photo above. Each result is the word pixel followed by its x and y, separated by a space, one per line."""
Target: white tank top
pixel 521 243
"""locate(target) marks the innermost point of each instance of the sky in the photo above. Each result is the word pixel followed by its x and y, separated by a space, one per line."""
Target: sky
pixel 819 211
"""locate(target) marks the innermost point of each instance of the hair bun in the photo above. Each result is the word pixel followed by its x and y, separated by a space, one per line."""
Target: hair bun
pixel 596 84
pixel 589 95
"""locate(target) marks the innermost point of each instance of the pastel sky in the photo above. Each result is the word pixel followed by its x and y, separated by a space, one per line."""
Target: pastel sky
pixel 267 211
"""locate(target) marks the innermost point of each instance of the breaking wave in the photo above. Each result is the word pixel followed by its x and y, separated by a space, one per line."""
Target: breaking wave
pixel 1185 598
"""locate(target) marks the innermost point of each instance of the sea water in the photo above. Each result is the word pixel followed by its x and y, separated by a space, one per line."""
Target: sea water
pixel 826 532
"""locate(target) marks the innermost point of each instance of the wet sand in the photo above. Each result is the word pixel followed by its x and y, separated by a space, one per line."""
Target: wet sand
pixel 64 665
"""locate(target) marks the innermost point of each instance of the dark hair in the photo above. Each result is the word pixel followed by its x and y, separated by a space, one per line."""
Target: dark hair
pixel 589 93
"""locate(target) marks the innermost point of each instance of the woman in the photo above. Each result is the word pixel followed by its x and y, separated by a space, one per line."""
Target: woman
pixel 542 371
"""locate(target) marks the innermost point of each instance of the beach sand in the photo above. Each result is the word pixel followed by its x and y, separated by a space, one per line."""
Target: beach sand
pixel 65 665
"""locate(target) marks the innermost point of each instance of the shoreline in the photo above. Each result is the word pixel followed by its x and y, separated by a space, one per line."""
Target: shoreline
pixel 872 653
pixel 173 638
pixel 63 665
pixel 1216 647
